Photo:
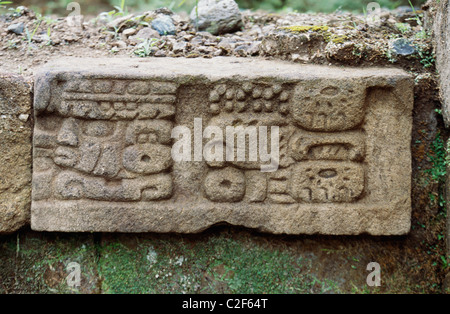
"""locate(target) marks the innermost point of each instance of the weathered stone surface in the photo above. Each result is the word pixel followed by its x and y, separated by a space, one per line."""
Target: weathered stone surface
pixel 441 30
pixel 103 131
pixel 15 152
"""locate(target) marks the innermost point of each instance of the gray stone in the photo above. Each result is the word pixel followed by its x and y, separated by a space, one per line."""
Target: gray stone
pixel 403 47
pixel 16 28
pixel 343 165
pixel 179 47
pixel 217 16
pixel 164 25
pixel 144 34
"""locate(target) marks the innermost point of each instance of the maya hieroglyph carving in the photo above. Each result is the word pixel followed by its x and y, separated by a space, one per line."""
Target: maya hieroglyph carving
pixel 103 157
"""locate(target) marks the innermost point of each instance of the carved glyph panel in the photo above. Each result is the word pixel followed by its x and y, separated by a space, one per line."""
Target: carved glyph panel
pixel 293 154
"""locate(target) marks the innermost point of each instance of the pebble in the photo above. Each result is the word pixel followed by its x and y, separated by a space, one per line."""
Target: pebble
pixel 129 32
pixel 160 53
pixel 179 47
pixel 164 25
pixel 403 47
pixel 217 17
pixel 23 117
pixel 241 50
pixel 143 34
pixel 16 28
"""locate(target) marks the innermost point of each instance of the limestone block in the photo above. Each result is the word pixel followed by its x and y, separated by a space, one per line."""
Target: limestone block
pixel 15 152
pixel 177 145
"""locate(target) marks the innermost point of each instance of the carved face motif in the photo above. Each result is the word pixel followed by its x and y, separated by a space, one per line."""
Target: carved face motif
pixel 88 146
pixel 113 149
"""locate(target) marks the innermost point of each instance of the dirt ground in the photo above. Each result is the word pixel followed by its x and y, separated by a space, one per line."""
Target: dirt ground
pixel 231 259
pixel 340 38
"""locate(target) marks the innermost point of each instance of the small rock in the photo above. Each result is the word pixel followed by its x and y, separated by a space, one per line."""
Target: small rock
pixel 23 117
pixel 255 31
pixel 119 44
pixel 296 57
pixel 197 40
pixel 217 16
pixel 160 53
pixel 218 52
pixel 70 38
pixel 241 50
pixel 403 47
pixel 41 38
pixel 129 32
pixel 143 34
pixel 164 10
pixel 361 28
pixel 227 44
pixel 164 25
pixel 179 47
pixel 121 22
pixel 188 37
pixel 205 50
pixel 253 50
pixel 16 28
pixel 205 35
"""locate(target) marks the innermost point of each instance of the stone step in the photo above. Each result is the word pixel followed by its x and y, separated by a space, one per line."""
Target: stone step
pixel 15 152
pixel 144 145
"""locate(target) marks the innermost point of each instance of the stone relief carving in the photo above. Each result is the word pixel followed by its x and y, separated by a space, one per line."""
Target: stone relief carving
pixel 323 161
pixel 110 140
pixel 103 147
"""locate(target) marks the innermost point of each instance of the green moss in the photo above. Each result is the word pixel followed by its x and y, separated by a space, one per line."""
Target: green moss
pixel 338 39
pixel 148 19
pixel 31 263
pixel 215 265
pixel 306 28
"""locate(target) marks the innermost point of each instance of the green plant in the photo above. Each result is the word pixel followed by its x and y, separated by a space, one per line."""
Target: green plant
pixel 122 10
pixel 403 27
pixel 426 56
pixel 29 36
pixel 144 49
pixel 12 44
pixel 40 19
pixel 49 33
pixel 416 16
pixel 3 3
pixel 390 55
pixel 445 261
pixel 439 160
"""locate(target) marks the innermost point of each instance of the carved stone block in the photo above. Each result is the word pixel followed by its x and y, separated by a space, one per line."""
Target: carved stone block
pixel 279 147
